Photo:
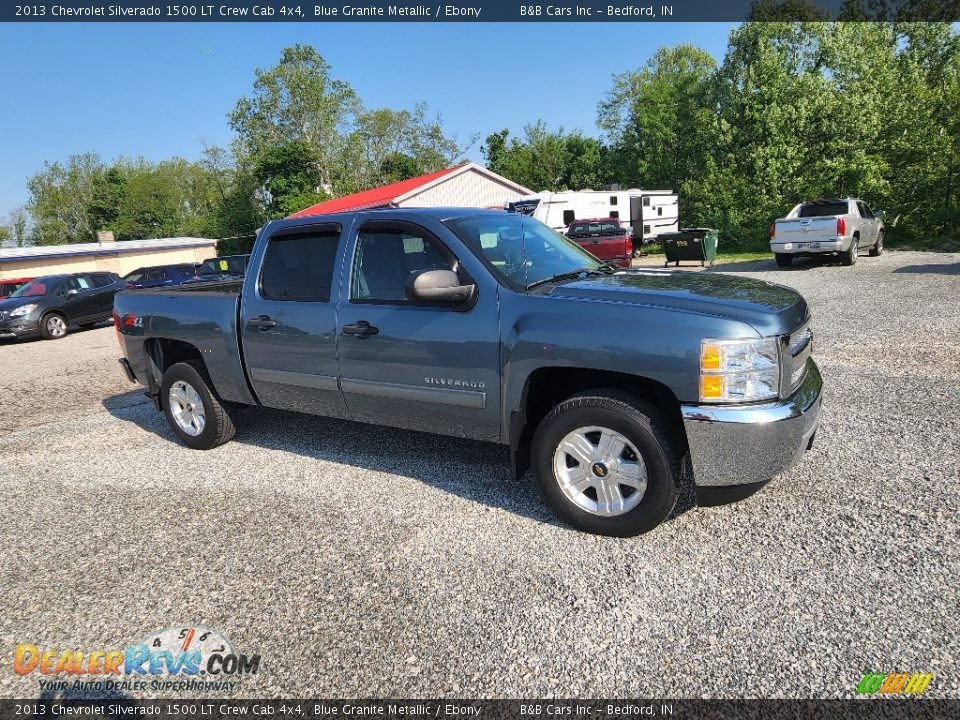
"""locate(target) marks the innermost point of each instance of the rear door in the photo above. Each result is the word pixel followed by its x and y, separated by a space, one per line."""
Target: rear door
pixel 431 368
pixel 105 287
pixel 288 322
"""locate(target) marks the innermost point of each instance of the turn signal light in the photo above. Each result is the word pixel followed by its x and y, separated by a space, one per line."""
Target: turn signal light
pixel 710 357
pixel 711 387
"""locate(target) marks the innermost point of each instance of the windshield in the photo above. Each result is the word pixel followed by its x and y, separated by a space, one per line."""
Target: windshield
pixel 521 251
pixel 35 288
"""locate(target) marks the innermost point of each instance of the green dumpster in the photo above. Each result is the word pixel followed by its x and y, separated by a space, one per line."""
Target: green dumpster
pixel 699 244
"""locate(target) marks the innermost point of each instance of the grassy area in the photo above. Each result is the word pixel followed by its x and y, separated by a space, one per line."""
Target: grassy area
pixel 943 243
pixel 656 250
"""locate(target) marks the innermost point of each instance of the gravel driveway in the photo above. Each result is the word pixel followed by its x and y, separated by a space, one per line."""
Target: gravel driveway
pixel 360 561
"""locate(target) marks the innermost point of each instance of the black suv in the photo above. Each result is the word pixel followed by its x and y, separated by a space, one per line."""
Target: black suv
pixel 50 305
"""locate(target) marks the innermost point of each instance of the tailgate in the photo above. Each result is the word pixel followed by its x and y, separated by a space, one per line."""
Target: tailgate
pixel 806 229
pixel 609 248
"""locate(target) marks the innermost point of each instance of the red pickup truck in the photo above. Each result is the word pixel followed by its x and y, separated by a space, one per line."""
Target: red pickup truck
pixel 604 238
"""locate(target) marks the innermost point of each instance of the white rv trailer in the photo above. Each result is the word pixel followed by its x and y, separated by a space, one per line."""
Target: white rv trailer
pixel 648 212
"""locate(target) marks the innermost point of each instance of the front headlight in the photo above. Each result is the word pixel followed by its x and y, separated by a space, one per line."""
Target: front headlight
pixel 739 370
pixel 23 310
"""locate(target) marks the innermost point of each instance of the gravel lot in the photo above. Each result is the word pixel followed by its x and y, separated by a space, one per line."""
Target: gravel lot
pixel 360 561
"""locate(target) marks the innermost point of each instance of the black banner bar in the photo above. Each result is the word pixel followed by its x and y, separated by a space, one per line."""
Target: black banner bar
pixel 478 11
pixel 637 709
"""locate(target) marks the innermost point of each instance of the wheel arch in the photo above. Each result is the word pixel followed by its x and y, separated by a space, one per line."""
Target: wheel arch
pixel 546 387
pixel 161 354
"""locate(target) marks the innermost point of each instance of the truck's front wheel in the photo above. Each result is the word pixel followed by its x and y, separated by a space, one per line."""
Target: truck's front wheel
pixel 607 463
pixel 194 413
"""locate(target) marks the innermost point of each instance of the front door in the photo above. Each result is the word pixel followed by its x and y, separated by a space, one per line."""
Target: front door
pixel 423 367
pixel 288 322
pixel 79 298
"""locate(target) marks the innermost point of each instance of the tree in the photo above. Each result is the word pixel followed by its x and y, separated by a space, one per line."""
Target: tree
pixel 546 160
pixel 58 199
pixel 17 224
pixel 288 174
pixel 661 121
pixel 298 101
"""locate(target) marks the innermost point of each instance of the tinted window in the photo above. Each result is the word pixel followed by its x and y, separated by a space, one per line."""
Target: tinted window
pixel 613 199
pixel 646 202
pixel 385 259
pixel 865 210
pixel 568 217
pixel 299 267
pixel 824 209
pixel 79 284
pixel 101 280
pixel 184 269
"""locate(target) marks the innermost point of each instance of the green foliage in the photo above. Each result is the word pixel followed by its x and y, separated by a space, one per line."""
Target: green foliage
pixel 545 160
pixel 58 199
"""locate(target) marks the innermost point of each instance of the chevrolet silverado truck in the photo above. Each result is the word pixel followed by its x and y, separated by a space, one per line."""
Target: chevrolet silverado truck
pixel 488 325
pixel 604 238
pixel 827 227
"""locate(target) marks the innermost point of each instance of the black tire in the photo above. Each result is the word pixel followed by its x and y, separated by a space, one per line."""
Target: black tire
pixel 643 426
pixel 218 425
pixel 54 326
pixel 877 249
pixel 783 259
pixel 850 256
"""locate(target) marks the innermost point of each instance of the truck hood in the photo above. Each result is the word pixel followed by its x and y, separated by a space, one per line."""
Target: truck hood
pixel 770 308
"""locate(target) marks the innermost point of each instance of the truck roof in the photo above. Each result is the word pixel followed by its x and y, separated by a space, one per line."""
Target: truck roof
pixel 438 213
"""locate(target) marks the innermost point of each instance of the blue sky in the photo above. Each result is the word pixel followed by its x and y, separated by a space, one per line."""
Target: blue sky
pixel 163 89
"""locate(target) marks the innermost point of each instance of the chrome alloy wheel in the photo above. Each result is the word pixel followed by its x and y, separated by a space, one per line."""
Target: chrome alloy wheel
pixel 186 406
pixel 56 326
pixel 600 471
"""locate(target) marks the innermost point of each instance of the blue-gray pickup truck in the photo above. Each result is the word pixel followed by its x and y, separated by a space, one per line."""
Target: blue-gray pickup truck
pixel 488 325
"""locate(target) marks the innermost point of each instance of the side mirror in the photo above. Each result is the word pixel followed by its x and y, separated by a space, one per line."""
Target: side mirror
pixel 72 291
pixel 879 214
pixel 438 286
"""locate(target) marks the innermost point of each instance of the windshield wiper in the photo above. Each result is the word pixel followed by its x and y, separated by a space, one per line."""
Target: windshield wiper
pixel 602 269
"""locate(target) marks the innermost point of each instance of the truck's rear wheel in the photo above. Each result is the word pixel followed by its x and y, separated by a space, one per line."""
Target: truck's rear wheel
pixel 194 413
pixel 850 256
pixel 607 463
pixel 783 259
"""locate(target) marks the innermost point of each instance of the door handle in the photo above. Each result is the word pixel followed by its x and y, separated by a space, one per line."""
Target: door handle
pixel 263 322
pixel 360 329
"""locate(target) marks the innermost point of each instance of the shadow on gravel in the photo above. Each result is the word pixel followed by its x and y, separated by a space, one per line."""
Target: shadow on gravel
pixel 931 269
pixel 471 469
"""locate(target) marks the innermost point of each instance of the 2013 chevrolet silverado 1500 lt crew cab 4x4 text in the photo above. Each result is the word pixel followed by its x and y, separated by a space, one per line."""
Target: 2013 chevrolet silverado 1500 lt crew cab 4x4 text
pixel 488 325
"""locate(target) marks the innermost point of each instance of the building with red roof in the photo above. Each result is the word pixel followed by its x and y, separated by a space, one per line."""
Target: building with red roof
pixel 467 185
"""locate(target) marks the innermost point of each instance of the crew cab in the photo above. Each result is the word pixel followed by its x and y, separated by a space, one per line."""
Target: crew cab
pixel 827 227
pixel 488 325
pixel 604 238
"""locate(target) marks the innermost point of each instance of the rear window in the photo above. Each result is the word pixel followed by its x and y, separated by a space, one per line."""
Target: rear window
pixel 595 227
pixel 100 280
pixel 823 209
pixel 299 267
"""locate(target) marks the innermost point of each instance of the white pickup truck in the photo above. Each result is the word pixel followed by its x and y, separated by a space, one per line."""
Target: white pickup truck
pixel 827 227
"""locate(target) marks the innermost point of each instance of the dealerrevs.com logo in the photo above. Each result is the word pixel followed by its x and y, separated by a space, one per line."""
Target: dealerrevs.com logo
pixel 176 658
pixel 894 683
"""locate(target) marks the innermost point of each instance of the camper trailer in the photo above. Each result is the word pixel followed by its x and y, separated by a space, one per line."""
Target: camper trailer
pixel 648 213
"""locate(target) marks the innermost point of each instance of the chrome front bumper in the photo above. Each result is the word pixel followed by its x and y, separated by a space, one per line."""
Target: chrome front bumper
pixel 747 444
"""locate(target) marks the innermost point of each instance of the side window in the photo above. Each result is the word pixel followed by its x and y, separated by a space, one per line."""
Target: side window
pixel 862 209
pixel 299 267
pixel 385 259
pixel 865 210
pixel 646 202
pixel 569 216
pixel 613 199
pixel 659 211
pixel 100 280
pixel 615 213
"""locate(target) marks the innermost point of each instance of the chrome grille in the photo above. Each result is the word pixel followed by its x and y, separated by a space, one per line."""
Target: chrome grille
pixel 797 348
